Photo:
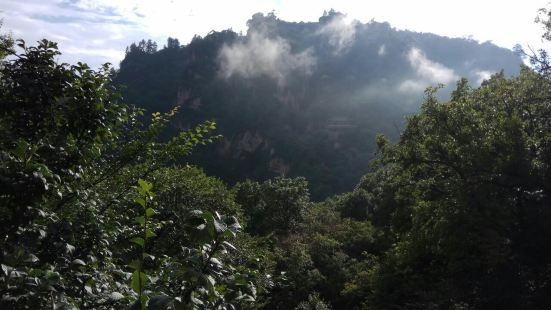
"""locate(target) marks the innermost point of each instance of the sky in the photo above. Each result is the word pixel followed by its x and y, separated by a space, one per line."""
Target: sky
pixel 98 31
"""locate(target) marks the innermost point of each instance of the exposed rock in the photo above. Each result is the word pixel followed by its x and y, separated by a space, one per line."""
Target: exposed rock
pixel 224 148
pixel 249 142
pixel 195 104
pixel 336 127
pixel 182 96
pixel 279 166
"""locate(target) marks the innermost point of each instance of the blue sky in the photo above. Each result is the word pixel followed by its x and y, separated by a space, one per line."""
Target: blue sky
pixel 97 31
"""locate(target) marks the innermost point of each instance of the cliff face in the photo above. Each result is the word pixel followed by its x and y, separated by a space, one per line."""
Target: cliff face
pixel 303 98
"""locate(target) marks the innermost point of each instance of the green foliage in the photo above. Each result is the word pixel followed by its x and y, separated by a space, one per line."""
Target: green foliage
pixel 55 121
pixel 139 277
pixel 75 230
pixel 6 43
pixel 183 189
pixel 314 303
pixel 203 271
pixel 455 215
pixel 476 170
pixel 273 206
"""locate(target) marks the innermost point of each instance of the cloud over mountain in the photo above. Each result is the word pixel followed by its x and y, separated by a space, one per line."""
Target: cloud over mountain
pixel 259 55
pixel 340 32
pixel 427 72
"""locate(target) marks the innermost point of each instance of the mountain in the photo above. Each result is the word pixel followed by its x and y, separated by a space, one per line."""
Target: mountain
pixel 302 99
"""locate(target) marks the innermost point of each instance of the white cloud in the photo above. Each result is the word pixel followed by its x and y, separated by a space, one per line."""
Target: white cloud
pixel 340 32
pixel 412 86
pixel 88 31
pixel 482 75
pixel 103 53
pixel 427 72
pixel 428 69
pixel 120 22
pixel 260 55
pixel 382 50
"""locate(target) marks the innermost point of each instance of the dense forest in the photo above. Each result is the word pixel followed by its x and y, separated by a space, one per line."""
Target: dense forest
pixel 106 201
pixel 301 108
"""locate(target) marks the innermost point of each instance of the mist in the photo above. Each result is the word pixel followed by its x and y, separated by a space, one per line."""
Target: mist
pixel 258 55
pixel 339 32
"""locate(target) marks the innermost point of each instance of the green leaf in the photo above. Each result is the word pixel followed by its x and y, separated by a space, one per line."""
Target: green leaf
pixel 138 278
pixel 215 261
pixel 140 220
pixel 78 262
pixel 149 233
pixel 209 217
pixel 52 275
pixel 219 226
pixel 144 301
pixel 6 269
pixel 138 240
pixel 196 213
pixel 145 186
pixel 229 245
pixel 235 224
pixel 147 255
pixel 140 201
pixel 21 149
pixel 149 212
pixel 228 234
pixel 135 264
pixel 69 248
pixel 116 296
pixel 30 258
pixel 211 282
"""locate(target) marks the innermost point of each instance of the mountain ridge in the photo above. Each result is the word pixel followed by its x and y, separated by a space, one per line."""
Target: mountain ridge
pixel 302 99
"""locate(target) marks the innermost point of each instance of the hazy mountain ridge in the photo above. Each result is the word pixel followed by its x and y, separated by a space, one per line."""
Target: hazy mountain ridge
pixel 302 98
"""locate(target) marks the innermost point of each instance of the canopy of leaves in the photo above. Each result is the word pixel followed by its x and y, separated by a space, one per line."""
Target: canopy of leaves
pixel 97 210
pixel 75 230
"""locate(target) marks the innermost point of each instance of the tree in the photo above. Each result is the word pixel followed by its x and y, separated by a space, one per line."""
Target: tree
pixel 273 206
pixel 6 43
pixel 476 169
pixel 539 59
pixel 55 121
pixel 172 43
pixel 75 231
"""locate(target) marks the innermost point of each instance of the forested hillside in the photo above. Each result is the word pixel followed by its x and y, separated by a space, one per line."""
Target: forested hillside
pixel 294 99
pixel 99 208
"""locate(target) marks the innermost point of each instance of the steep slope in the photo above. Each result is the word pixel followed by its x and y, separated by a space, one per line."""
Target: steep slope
pixel 302 98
